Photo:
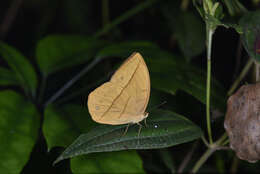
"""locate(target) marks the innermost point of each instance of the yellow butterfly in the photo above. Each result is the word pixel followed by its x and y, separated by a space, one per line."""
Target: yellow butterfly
pixel 125 97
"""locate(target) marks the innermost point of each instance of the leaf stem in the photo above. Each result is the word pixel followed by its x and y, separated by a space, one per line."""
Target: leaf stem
pixel 241 76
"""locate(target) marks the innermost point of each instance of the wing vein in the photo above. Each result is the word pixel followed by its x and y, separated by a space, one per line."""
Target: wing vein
pixel 121 91
pixel 124 107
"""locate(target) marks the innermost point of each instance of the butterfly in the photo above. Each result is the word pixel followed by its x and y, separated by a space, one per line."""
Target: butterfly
pixel 122 100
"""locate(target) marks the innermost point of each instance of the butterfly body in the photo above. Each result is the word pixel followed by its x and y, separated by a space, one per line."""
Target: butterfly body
pixel 125 97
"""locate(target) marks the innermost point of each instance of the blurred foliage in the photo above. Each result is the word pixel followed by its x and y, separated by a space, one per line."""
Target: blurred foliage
pixel 54 53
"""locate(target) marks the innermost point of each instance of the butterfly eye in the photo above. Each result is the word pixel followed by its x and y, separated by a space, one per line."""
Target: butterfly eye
pixel 97 107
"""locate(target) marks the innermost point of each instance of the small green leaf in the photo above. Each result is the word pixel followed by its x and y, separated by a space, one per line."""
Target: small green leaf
pixel 7 77
pixel 57 52
pixel 108 162
pixel 187 29
pixel 251 33
pixel 164 129
pixel 22 68
pixel 190 34
pixel 19 126
pixel 62 125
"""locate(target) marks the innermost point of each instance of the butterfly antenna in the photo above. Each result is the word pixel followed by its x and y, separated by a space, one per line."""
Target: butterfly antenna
pixel 164 102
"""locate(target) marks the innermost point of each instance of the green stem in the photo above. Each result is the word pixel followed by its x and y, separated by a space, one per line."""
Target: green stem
pixel 202 159
pixel 241 76
pixel 210 33
pixel 125 16
pixel 222 139
pixel 225 142
pixel 211 148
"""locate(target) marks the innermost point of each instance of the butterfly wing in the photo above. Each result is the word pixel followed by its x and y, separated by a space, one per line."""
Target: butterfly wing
pixel 125 98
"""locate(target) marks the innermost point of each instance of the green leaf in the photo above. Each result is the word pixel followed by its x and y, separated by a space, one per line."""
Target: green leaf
pixel 190 34
pixel 251 33
pixel 164 129
pixel 22 68
pixel 7 77
pixel 56 52
pixel 109 162
pixel 187 29
pixel 19 125
pixel 62 125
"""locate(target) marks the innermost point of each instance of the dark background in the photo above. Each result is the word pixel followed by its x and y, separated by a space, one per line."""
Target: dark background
pixel 36 19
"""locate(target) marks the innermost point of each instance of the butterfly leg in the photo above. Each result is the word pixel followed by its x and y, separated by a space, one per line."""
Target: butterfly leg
pixel 140 127
pixel 125 130
pixel 145 123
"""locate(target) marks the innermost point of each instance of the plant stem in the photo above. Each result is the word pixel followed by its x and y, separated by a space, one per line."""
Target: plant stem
pixel 210 33
pixel 205 141
pixel 9 18
pixel 202 159
pixel 72 81
pixel 222 139
pixel 187 157
pixel 241 76
pixel 125 16
pixel 225 142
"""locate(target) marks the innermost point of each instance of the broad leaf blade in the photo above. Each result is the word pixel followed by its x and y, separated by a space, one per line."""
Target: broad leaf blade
pixel 19 125
pixel 109 162
pixel 164 129
pixel 22 68
pixel 62 125
pixel 7 77
pixel 187 29
pixel 57 52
